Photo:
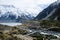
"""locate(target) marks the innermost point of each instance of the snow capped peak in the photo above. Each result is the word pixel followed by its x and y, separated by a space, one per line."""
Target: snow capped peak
pixel 9 11
pixel 14 10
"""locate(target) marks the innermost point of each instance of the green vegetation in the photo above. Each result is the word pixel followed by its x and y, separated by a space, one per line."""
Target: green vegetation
pixel 49 23
pixel 42 24
pixel 8 32
pixel 38 36
pixel 8 37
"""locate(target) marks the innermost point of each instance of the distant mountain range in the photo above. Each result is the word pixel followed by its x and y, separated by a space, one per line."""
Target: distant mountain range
pixel 52 12
pixel 9 13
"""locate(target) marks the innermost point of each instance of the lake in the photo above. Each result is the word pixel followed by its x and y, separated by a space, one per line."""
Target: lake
pixel 11 24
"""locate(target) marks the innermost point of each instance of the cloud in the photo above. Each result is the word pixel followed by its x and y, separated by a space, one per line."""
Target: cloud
pixel 34 6
pixel 45 1
pixel 26 3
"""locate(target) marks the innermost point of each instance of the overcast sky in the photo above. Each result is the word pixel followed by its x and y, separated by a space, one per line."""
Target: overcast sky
pixel 31 5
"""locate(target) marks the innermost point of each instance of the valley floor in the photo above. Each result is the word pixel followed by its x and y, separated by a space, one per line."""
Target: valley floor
pixel 31 30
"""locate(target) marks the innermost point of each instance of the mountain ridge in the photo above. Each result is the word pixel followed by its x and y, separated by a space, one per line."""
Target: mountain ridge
pixel 10 13
pixel 47 13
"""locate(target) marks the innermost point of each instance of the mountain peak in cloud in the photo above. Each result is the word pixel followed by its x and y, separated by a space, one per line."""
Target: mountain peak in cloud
pixel 28 5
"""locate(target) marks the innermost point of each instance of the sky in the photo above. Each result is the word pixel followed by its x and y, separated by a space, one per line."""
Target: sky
pixel 32 6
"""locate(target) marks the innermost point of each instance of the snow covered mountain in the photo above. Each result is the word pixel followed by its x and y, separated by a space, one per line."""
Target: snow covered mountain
pixel 52 12
pixel 8 13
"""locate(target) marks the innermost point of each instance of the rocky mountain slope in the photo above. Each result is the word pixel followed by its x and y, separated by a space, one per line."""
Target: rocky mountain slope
pixel 52 12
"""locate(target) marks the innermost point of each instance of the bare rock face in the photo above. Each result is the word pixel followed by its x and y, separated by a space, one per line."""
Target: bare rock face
pixel 52 12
